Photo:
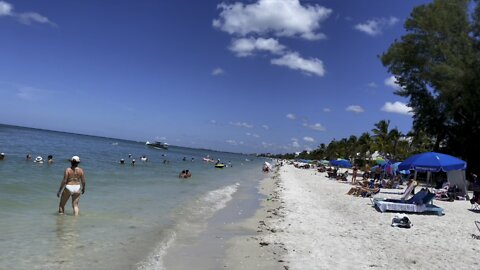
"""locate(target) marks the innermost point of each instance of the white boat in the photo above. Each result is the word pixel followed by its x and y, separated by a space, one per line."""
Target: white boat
pixel 157 145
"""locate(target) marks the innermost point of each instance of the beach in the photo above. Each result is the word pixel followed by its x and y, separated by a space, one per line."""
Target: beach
pixel 308 222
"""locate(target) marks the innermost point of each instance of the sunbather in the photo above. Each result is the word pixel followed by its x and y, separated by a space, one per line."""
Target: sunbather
pixel 363 191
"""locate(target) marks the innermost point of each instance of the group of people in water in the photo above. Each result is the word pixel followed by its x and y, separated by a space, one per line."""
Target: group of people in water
pixel 73 182
pixel 38 159
pixel 72 185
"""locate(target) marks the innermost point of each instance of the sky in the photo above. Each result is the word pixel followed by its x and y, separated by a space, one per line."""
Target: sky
pixel 251 76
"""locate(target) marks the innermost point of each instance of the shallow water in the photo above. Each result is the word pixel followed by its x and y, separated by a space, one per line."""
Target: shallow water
pixel 129 215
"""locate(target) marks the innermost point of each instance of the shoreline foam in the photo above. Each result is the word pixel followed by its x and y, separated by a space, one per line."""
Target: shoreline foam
pixel 258 248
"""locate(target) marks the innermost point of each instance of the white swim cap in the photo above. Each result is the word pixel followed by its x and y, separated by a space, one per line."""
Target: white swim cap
pixel 75 158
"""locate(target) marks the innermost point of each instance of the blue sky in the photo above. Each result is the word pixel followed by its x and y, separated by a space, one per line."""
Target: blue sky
pixel 243 76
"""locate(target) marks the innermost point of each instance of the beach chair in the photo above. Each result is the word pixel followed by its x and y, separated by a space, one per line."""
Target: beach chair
pixel 406 193
pixel 419 203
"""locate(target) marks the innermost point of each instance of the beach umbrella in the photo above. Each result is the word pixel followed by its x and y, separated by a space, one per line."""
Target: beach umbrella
pixel 324 162
pixel 343 163
pixel 396 170
pixel 380 161
pixel 432 162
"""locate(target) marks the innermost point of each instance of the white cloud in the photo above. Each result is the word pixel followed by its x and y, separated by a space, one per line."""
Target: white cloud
pixel 30 93
pixel 265 127
pixel 316 126
pixel 241 124
pixel 291 116
pixel 252 134
pixel 308 139
pixel 217 71
pixel 232 142
pixel 355 109
pixel 295 143
pixel 397 107
pixel 265 144
pixel 375 27
pixel 372 85
pixel 6 9
pixel 278 17
pixel 32 17
pixel 294 61
pixel 247 46
pixel 213 122
pixel 392 82
pixel 327 110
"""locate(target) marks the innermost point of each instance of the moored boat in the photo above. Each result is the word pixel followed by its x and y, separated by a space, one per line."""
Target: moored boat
pixel 157 145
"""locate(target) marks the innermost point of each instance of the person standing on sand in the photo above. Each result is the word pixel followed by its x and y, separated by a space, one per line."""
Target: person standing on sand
pixel 73 182
pixel 354 174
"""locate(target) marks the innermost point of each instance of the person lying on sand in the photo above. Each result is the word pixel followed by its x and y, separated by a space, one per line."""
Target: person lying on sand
pixel 363 191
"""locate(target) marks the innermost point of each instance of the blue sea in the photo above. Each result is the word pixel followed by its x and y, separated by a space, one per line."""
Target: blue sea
pixel 131 217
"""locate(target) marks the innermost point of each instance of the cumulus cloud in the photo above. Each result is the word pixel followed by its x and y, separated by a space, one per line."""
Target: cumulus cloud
pixel 251 24
pixel 375 27
pixel 291 116
pixel 355 109
pixel 294 61
pixel 241 124
pixel 327 110
pixel 295 143
pixel 397 107
pixel 247 46
pixel 265 127
pixel 218 71
pixel 316 126
pixel 252 135
pixel 392 82
pixel 265 144
pixel 7 9
pixel 277 17
pixel 232 142
pixel 308 139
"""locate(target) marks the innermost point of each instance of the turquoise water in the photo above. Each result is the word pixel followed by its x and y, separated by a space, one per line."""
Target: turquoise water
pixel 129 215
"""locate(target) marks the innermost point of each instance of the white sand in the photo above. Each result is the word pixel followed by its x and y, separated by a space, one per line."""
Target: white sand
pixel 319 227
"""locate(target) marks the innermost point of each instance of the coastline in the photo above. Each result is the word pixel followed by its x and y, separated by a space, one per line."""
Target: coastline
pixel 317 226
pixel 258 248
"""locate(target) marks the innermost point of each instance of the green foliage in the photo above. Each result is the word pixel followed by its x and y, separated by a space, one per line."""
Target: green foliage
pixel 437 63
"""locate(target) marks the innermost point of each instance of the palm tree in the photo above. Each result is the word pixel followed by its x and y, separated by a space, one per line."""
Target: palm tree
pixel 393 138
pixel 365 144
pixel 381 135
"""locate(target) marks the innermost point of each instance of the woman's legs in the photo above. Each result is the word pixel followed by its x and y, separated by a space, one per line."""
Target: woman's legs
pixel 63 201
pixel 75 200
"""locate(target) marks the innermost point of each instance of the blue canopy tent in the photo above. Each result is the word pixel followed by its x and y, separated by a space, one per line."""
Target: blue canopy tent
pixel 432 162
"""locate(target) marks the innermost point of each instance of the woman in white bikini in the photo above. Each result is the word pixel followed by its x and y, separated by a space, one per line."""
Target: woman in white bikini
pixel 73 182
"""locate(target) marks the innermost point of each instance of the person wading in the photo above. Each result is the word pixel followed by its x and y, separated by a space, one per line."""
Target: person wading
pixel 73 184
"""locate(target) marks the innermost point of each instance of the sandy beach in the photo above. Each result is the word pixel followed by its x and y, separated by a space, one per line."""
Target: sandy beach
pixel 308 222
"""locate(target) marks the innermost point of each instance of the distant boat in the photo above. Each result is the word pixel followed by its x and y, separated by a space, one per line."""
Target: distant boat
pixel 157 145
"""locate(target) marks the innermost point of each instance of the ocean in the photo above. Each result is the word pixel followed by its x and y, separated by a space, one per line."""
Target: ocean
pixel 131 217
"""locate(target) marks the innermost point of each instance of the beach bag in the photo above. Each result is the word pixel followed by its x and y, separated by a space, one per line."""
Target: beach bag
pixel 401 221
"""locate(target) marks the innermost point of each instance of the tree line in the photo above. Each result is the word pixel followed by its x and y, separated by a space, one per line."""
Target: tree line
pixel 437 66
